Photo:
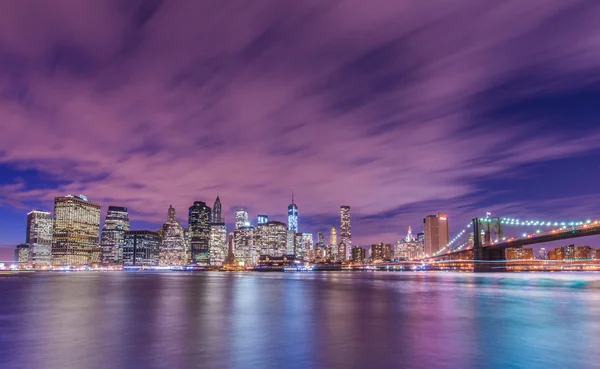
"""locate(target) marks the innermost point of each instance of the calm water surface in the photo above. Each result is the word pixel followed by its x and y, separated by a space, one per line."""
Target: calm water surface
pixel 302 320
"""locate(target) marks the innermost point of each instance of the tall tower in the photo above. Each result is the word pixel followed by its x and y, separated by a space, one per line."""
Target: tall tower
pixel 333 236
pixel 293 216
pixel 199 218
pixel 112 238
pixel 172 247
pixel 345 231
pixel 216 212
pixel 241 218
pixel 39 237
pixel 437 233
pixel 76 231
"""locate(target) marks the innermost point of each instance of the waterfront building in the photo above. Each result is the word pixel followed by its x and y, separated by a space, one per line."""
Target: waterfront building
pixel 381 252
pixel 230 259
pixel 333 246
pixel 172 250
pixel 307 246
pixel 518 253
pixel 244 246
pixel 241 218
pixel 408 248
pixel 293 216
pixel 216 215
pixel 543 254
pixel 218 243
pixel 345 232
pixel 572 252
pixel 22 252
pixel 359 255
pixel 437 233
pixel 342 251
pixel 320 239
pixel 272 238
pixel 112 238
pixel 290 242
pixel 269 262
pixel 39 238
pixel 141 248
pixel 76 231
pixel 199 218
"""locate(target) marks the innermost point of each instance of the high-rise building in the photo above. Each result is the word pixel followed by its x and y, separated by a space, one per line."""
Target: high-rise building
pixel 112 238
pixel 298 247
pixel 543 254
pixel 342 251
pixel 345 231
pixel 333 244
pixel 216 216
pixel 307 244
pixel 76 231
pixel 293 216
pixel 262 219
pixel 333 236
pixel 141 248
pixel 320 239
pixel 381 252
pixel 241 218
pixel 22 252
pixel 421 237
pixel 359 255
pixel 172 247
pixel 218 243
pixel 437 233
pixel 291 242
pixel 244 246
pixel 272 238
pixel 39 238
pixel 230 259
pixel 199 232
pixel 408 248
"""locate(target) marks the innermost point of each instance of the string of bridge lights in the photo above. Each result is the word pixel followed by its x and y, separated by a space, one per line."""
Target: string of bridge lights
pixel 452 241
pixel 540 223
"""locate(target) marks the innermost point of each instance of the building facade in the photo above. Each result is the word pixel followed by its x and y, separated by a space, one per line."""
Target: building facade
pixel 199 220
pixel 172 248
pixel 76 231
pixel 39 238
pixel 272 238
pixel 345 232
pixel 437 233
pixel 359 255
pixel 381 252
pixel 218 243
pixel 217 213
pixel 112 238
pixel 241 218
pixel 244 246
pixel 22 256
pixel 141 248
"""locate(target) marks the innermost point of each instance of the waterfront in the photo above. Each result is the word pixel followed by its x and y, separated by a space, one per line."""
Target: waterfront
pixel 299 320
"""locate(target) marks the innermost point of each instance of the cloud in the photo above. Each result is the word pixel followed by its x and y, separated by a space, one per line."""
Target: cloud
pixel 378 106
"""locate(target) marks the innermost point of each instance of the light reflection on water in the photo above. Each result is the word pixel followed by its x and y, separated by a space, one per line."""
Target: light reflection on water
pixel 303 320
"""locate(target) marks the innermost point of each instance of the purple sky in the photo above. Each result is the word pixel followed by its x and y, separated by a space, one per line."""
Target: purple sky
pixel 396 108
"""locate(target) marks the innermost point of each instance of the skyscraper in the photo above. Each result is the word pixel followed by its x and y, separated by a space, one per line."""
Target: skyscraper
pixel 241 218
pixel 271 238
pixel 113 233
pixel 262 219
pixel 141 248
pixel 293 216
pixel 345 231
pixel 333 244
pixel 76 231
pixel 307 246
pixel 39 237
pixel 437 234
pixel 333 236
pixel 199 229
pixel 218 243
pixel 216 212
pixel 381 252
pixel 172 248
pixel 244 245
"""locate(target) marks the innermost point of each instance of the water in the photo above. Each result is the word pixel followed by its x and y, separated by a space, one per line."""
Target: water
pixel 302 320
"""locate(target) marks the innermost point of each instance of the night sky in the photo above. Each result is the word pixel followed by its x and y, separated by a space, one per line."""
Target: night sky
pixel 397 108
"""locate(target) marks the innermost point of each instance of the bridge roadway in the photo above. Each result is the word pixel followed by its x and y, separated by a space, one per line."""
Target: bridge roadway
pixel 495 251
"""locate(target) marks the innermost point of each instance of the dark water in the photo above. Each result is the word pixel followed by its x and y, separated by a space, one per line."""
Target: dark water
pixel 310 320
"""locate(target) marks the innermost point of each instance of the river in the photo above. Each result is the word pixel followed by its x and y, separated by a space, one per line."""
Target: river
pixel 299 320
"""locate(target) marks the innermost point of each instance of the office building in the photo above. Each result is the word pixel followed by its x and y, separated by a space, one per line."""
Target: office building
pixel 112 238
pixel 141 248
pixel 408 248
pixel 199 220
pixel 172 248
pixel 345 232
pixel 272 238
pixel 359 255
pixel 22 255
pixel 218 243
pixel 381 252
pixel 241 218
pixel 262 219
pixel 217 216
pixel 333 244
pixel 293 216
pixel 342 251
pixel 307 246
pixel 39 238
pixel 437 233
pixel 76 231
pixel 518 253
pixel 244 246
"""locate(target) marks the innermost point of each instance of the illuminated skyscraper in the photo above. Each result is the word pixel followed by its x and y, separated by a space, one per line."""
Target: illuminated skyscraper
pixel 216 216
pixel 199 232
pixel 293 216
pixel 241 218
pixel 290 242
pixel 345 231
pixel 39 237
pixel 172 248
pixel 333 236
pixel 141 248
pixel 307 246
pixel 320 239
pixel 22 255
pixel 218 243
pixel 271 238
pixel 359 254
pixel 76 231
pixel 262 219
pixel 244 246
pixel 437 234
pixel 408 248
pixel 113 233
pixel 333 244
pixel 381 252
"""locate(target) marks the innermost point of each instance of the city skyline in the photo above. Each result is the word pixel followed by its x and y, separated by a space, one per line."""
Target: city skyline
pixel 409 120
